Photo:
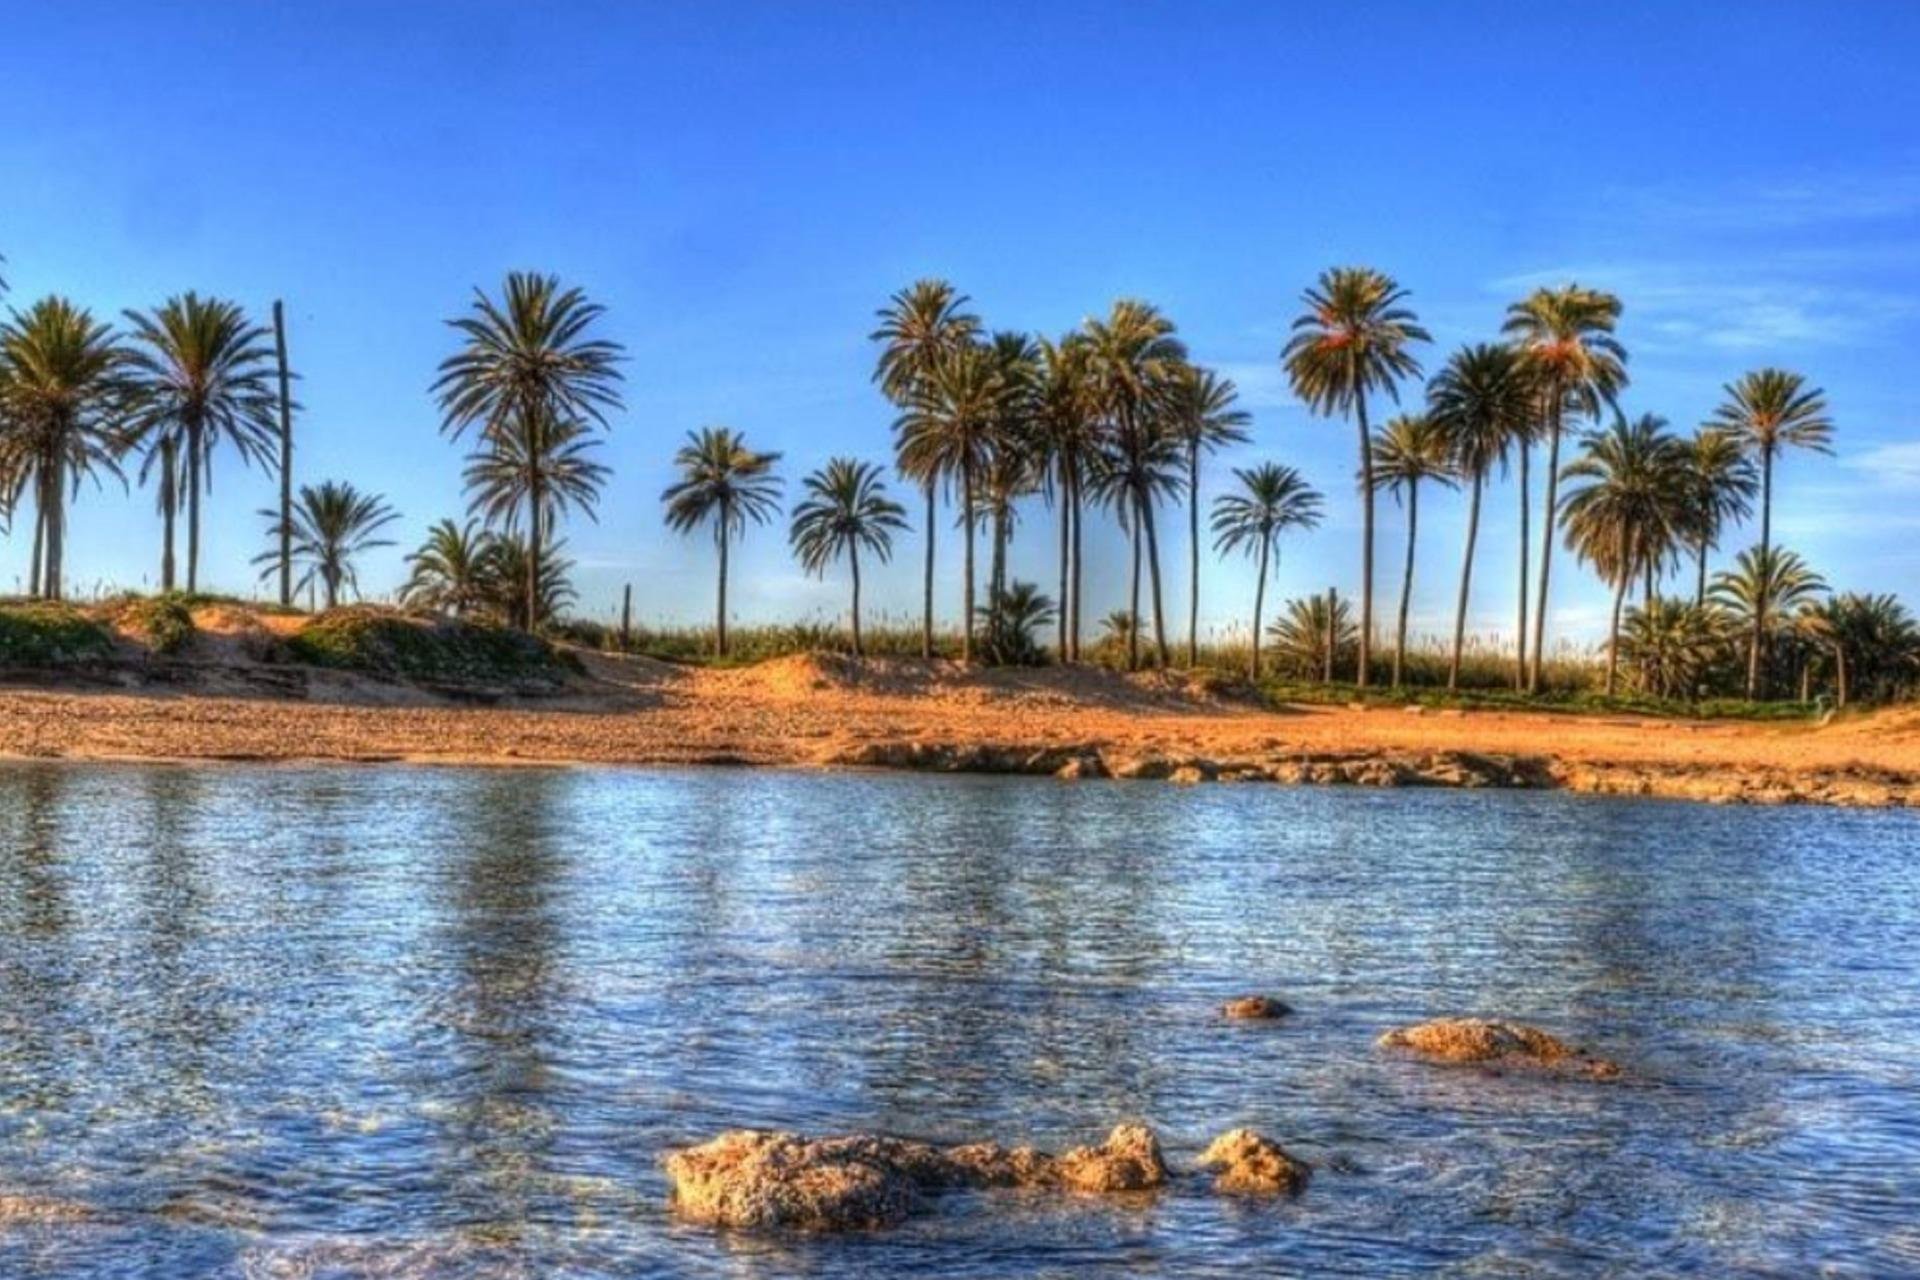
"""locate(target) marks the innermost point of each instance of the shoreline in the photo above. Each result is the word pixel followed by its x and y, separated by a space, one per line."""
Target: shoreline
pixel 822 712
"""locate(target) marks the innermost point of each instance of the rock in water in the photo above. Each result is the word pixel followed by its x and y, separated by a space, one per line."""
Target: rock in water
pixel 1493 1042
pixel 750 1178
pixel 1129 1160
pixel 1255 1008
pixel 1252 1164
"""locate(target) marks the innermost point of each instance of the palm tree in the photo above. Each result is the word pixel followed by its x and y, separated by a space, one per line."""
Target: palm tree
pixel 920 327
pixel 332 524
pixel 1566 343
pixel 528 366
pixel 1411 448
pixel 1014 467
pixel 1481 402
pixel 1724 481
pixel 722 480
pixel 1873 640
pixel 206 373
pixel 1116 476
pixel 536 475
pixel 846 508
pixel 504 565
pixel 1271 500
pixel 1765 586
pixel 1132 360
pixel 449 573
pixel 1301 634
pixel 1068 423
pixel 1769 410
pixel 948 429
pixel 1015 614
pixel 1670 645
pixel 1630 508
pixel 1204 418
pixel 1351 341
pixel 65 399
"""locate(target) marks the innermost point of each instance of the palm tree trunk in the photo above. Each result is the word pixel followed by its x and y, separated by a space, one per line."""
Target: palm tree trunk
pixel 1466 584
pixel 997 578
pixel 1193 554
pixel 1700 591
pixel 1549 520
pixel 1526 542
pixel 55 566
pixel 720 603
pixel 1366 541
pixel 926 621
pixel 536 536
pixel 1406 582
pixel 36 572
pixel 169 504
pixel 1133 608
pixel 1766 567
pixel 332 577
pixel 1066 531
pixel 1259 601
pixel 286 457
pixel 853 558
pixel 966 508
pixel 1840 675
pixel 194 438
pixel 1613 635
pixel 1153 569
pixel 1074 631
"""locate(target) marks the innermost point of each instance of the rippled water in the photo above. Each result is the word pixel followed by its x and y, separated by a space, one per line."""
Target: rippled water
pixel 276 1022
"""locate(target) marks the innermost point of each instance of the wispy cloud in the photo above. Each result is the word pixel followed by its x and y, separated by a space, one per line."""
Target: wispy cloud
pixel 1895 465
pixel 1806 200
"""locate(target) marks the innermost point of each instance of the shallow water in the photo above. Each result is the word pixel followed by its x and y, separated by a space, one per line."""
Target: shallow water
pixel 279 1022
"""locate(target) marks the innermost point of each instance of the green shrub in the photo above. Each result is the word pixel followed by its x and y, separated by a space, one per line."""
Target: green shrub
pixel 431 650
pixel 50 635
pixel 165 620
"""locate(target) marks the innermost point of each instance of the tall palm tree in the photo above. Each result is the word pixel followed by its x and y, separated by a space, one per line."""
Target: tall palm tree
pixel 332 524
pixel 448 574
pixel 1481 402
pixel 1566 343
pixel 529 365
pixel 505 563
pixel 1769 410
pixel 207 376
pixel 1271 499
pixel 65 400
pixel 1765 587
pixel 1205 418
pixel 1014 468
pixel 920 327
pixel 1628 511
pixel 536 476
pixel 1724 481
pixel 1351 341
pixel 953 411
pixel 724 481
pixel 1068 421
pixel 846 509
pixel 1132 359
pixel 1409 449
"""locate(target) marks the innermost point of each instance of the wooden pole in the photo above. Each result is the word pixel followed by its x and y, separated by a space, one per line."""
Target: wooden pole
pixel 1333 632
pixel 286 459
pixel 626 618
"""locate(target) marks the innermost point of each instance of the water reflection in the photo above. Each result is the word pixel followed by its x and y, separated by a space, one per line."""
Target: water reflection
pixel 303 1022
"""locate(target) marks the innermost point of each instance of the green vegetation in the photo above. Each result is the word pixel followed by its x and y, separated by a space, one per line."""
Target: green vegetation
pixel 166 620
pixel 49 634
pixel 432 651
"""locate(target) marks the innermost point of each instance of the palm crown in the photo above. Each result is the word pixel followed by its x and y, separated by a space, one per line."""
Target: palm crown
pixel 332 524
pixel 846 509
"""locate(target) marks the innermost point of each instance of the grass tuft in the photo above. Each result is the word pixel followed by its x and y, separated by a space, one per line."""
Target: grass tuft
pixel 399 646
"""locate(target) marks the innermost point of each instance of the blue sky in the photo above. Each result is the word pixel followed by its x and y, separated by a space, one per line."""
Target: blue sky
pixel 743 185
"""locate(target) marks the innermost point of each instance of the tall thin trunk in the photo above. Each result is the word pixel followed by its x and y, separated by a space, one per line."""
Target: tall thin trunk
pixel 1193 553
pixel 536 534
pixel 1366 541
pixel 1466 584
pixel 1259 602
pixel 286 457
pixel 332 577
pixel 720 603
pixel 853 559
pixel 1840 675
pixel 54 570
pixel 626 617
pixel 1133 607
pixel 997 576
pixel 1406 582
pixel 37 571
pixel 1613 635
pixel 1074 632
pixel 966 508
pixel 1066 541
pixel 1526 542
pixel 1766 566
pixel 169 504
pixel 1153 570
pixel 1700 592
pixel 1332 636
pixel 1549 520
pixel 926 620
pixel 195 437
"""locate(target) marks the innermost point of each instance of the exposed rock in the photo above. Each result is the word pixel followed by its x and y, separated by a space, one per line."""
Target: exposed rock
pixel 1143 767
pixel 1255 1008
pixel 1187 774
pixel 1129 1160
pixel 31 1210
pixel 1081 766
pixel 748 1178
pixel 1252 1164
pixel 1493 1042
pixel 988 1164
